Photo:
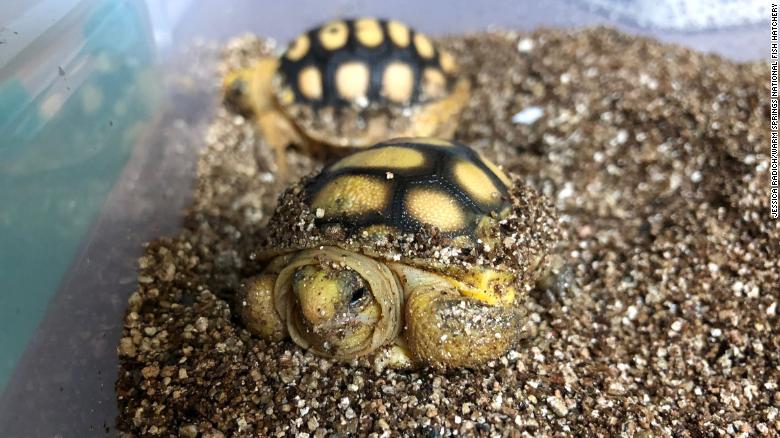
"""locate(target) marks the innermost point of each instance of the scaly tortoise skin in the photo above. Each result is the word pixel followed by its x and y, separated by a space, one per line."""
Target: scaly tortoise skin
pixel 412 252
pixel 350 84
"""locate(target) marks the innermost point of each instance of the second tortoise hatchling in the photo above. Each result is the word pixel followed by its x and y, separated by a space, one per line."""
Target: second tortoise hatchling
pixel 350 84
pixel 412 252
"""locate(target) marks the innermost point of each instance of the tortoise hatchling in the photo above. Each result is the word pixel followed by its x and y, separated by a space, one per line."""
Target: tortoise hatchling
pixel 350 84
pixel 413 252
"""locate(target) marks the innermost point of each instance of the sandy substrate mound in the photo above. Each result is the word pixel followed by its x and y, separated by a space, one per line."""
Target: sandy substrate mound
pixel 656 158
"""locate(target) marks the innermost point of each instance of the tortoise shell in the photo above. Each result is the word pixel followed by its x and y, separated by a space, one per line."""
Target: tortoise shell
pixel 352 83
pixel 406 185
pixel 364 61
pixel 427 202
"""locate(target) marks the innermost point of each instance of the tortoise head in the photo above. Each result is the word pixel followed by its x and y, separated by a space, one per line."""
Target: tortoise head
pixel 338 303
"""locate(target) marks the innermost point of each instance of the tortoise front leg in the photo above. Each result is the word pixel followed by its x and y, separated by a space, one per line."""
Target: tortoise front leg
pixel 278 133
pixel 255 304
pixel 446 329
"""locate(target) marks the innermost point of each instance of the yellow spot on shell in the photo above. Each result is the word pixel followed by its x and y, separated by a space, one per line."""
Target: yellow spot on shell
pixel 352 194
pixel 334 35
pixel 447 62
pixel 398 32
pixel 423 45
pixel 475 182
pixel 398 82
pixel 390 158
pixel 352 80
pixel 299 48
pixel 434 83
pixel 435 208
pixel 369 32
pixel 499 173
pixel 310 82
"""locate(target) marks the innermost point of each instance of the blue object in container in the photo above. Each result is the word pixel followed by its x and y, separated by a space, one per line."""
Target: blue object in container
pixel 73 98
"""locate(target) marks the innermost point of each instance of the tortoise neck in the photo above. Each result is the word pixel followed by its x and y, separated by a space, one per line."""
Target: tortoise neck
pixel 412 278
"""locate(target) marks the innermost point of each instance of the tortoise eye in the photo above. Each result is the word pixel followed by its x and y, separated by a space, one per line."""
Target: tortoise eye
pixel 358 296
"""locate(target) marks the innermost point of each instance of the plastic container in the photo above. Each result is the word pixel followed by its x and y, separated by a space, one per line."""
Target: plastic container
pixel 95 160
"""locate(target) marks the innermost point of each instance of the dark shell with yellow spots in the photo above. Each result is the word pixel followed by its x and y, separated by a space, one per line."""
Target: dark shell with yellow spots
pixel 425 202
pixel 407 185
pixel 346 61
pixel 355 82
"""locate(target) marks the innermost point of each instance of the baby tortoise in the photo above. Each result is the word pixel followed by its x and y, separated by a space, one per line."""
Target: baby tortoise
pixel 349 84
pixel 416 251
